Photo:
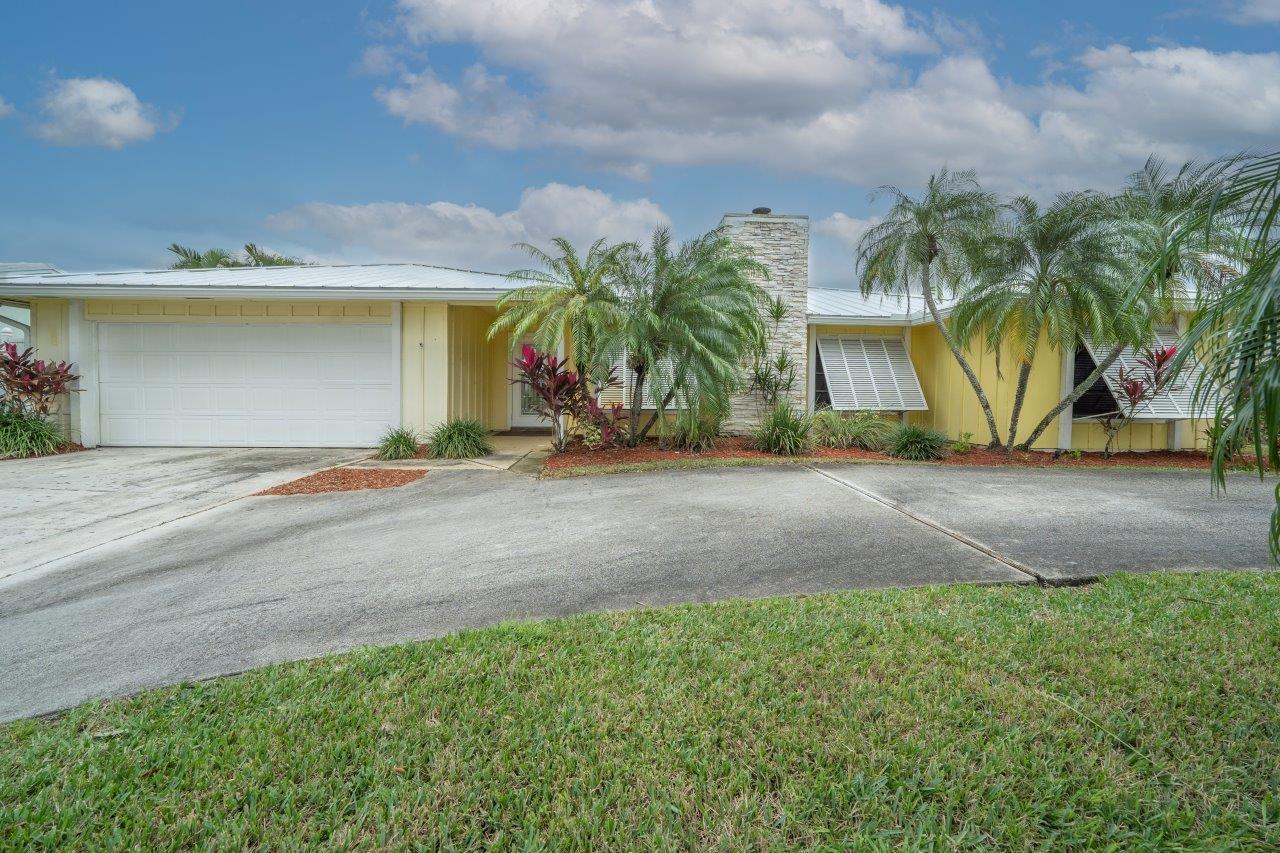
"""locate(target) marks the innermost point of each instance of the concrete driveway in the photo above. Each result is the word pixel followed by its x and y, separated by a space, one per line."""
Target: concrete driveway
pixel 59 506
pixel 270 579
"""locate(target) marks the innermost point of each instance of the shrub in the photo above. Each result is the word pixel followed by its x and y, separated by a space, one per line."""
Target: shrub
pixel 694 429
pixel 464 438
pixel 864 430
pixel 398 443
pixel 30 385
pixel 25 434
pixel 917 443
pixel 784 431
pixel 963 444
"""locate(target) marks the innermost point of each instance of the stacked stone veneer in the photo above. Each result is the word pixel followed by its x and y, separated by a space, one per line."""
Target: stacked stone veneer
pixel 781 244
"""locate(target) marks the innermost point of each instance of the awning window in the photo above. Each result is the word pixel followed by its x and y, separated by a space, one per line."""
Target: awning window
pixel 868 374
pixel 1172 404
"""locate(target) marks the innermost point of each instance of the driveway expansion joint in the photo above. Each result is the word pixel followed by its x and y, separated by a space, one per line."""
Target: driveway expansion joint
pixel 962 538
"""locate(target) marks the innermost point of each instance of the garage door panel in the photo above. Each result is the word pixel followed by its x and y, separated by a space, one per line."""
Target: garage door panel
pixel 238 385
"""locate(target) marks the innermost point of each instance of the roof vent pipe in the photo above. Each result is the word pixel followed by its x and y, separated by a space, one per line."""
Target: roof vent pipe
pixel 762 211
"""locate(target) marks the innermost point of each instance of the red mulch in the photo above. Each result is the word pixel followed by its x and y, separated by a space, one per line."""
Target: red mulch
pixel 739 448
pixel 347 480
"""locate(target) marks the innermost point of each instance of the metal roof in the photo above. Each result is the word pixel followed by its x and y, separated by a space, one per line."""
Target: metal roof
pixel 12 268
pixel 835 305
pixel 367 280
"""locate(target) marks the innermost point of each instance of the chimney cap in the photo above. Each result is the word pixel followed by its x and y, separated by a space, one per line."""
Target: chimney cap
pixel 762 211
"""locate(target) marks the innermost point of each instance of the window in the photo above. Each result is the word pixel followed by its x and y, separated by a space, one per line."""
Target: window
pixel 867 374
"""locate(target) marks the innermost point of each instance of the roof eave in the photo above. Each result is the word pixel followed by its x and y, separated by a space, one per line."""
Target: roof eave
pixel 394 294
pixel 853 320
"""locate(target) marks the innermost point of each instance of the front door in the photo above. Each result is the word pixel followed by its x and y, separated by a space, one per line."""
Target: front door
pixel 524 404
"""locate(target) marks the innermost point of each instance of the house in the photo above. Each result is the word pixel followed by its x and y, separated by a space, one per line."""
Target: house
pixel 331 355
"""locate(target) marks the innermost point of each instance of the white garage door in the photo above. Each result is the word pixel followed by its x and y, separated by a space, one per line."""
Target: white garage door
pixel 208 385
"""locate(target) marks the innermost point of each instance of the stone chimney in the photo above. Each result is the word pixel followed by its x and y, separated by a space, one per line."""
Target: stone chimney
pixel 781 244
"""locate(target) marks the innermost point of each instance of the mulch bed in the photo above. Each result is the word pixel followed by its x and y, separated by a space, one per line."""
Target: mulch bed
pixel 578 456
pixel 69 447
pixel 347 480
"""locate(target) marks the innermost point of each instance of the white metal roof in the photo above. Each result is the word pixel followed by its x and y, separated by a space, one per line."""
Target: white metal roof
pixel 364 280
pixel 836 305
pixel 12 268
pixel 1172 404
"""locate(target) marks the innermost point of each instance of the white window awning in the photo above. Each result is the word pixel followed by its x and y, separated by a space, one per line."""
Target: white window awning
pixel 1175 403
pixel 868 373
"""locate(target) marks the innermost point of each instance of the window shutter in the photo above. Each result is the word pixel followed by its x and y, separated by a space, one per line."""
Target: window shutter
pixel 1172 404
pixel 870 374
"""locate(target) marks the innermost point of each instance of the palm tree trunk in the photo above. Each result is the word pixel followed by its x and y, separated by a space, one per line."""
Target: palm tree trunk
pixel 1070 399
pixel 637 402
pixel 1019 397
pixel 961 360
pixel 653 419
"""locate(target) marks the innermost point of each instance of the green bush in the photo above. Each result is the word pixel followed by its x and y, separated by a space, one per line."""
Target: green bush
pixel 917 443
pixel 464 438
pixel 694 431
pixel 27 434
pixel 785 432
pixel 398 443
pixel 864 430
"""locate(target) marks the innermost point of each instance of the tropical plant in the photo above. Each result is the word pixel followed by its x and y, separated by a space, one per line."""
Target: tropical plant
pixel 963 444
pixel 1172 250
pixel 461 438
pixel 25 433
pixel 920 246
pixel 694 428
pixel 398 443
pixel 1041 276
pixel 1237 326
pixel 916 443
pixel 570 292
pixel 696 308
pixel 29 385
pixel 1136 389
pixel 555 389
pixel 785 431
pixel 193 259
pixel 774 371
pixel 863 430
pixel 598 425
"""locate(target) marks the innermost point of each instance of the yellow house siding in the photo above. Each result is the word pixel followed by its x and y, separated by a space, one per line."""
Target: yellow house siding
pixel 51 328
pixel 206 310
pixel 424 365
pixel 471 375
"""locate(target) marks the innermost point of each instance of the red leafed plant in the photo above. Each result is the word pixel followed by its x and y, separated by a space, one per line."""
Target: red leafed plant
pixel 556 389
pixel 1138 389
pixel 29 385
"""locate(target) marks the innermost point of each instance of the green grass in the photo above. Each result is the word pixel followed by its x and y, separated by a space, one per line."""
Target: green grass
pixel 1136 713
pixel 667 465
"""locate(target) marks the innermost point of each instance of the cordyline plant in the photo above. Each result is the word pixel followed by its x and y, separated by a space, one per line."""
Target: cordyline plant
pixel 560 392
pixel 1138 389
pixel 31 386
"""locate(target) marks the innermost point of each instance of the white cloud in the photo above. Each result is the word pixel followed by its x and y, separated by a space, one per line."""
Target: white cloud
pixel 816 86
pixel 451 234
pixel 98 112
pixel 847 230
pixel 6 108
pixel 1253 11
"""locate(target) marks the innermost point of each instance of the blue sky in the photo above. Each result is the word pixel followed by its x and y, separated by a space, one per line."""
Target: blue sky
pixel 443 132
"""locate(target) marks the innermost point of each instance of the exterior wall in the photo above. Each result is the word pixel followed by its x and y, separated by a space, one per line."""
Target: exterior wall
pixel 424 365
pixel 954 409
pixel 51 328
pixel 215 310
pixel 477 387
pixel 781 243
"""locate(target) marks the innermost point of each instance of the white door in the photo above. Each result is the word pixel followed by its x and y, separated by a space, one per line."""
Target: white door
pixel 245 385
pixel 524 404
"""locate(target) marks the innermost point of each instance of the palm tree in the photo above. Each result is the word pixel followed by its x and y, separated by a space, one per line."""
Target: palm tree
pixel 1172 264
pixel 191 259
pixel 1237 329
pixel 921 245
pixel 696 308
pixel 1042 276
pixel 569 292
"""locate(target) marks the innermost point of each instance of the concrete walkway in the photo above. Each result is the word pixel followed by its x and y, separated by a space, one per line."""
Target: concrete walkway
pixel 263 580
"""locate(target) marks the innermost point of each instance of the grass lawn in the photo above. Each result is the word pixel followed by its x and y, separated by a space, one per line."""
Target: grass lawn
pixel 1138 712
